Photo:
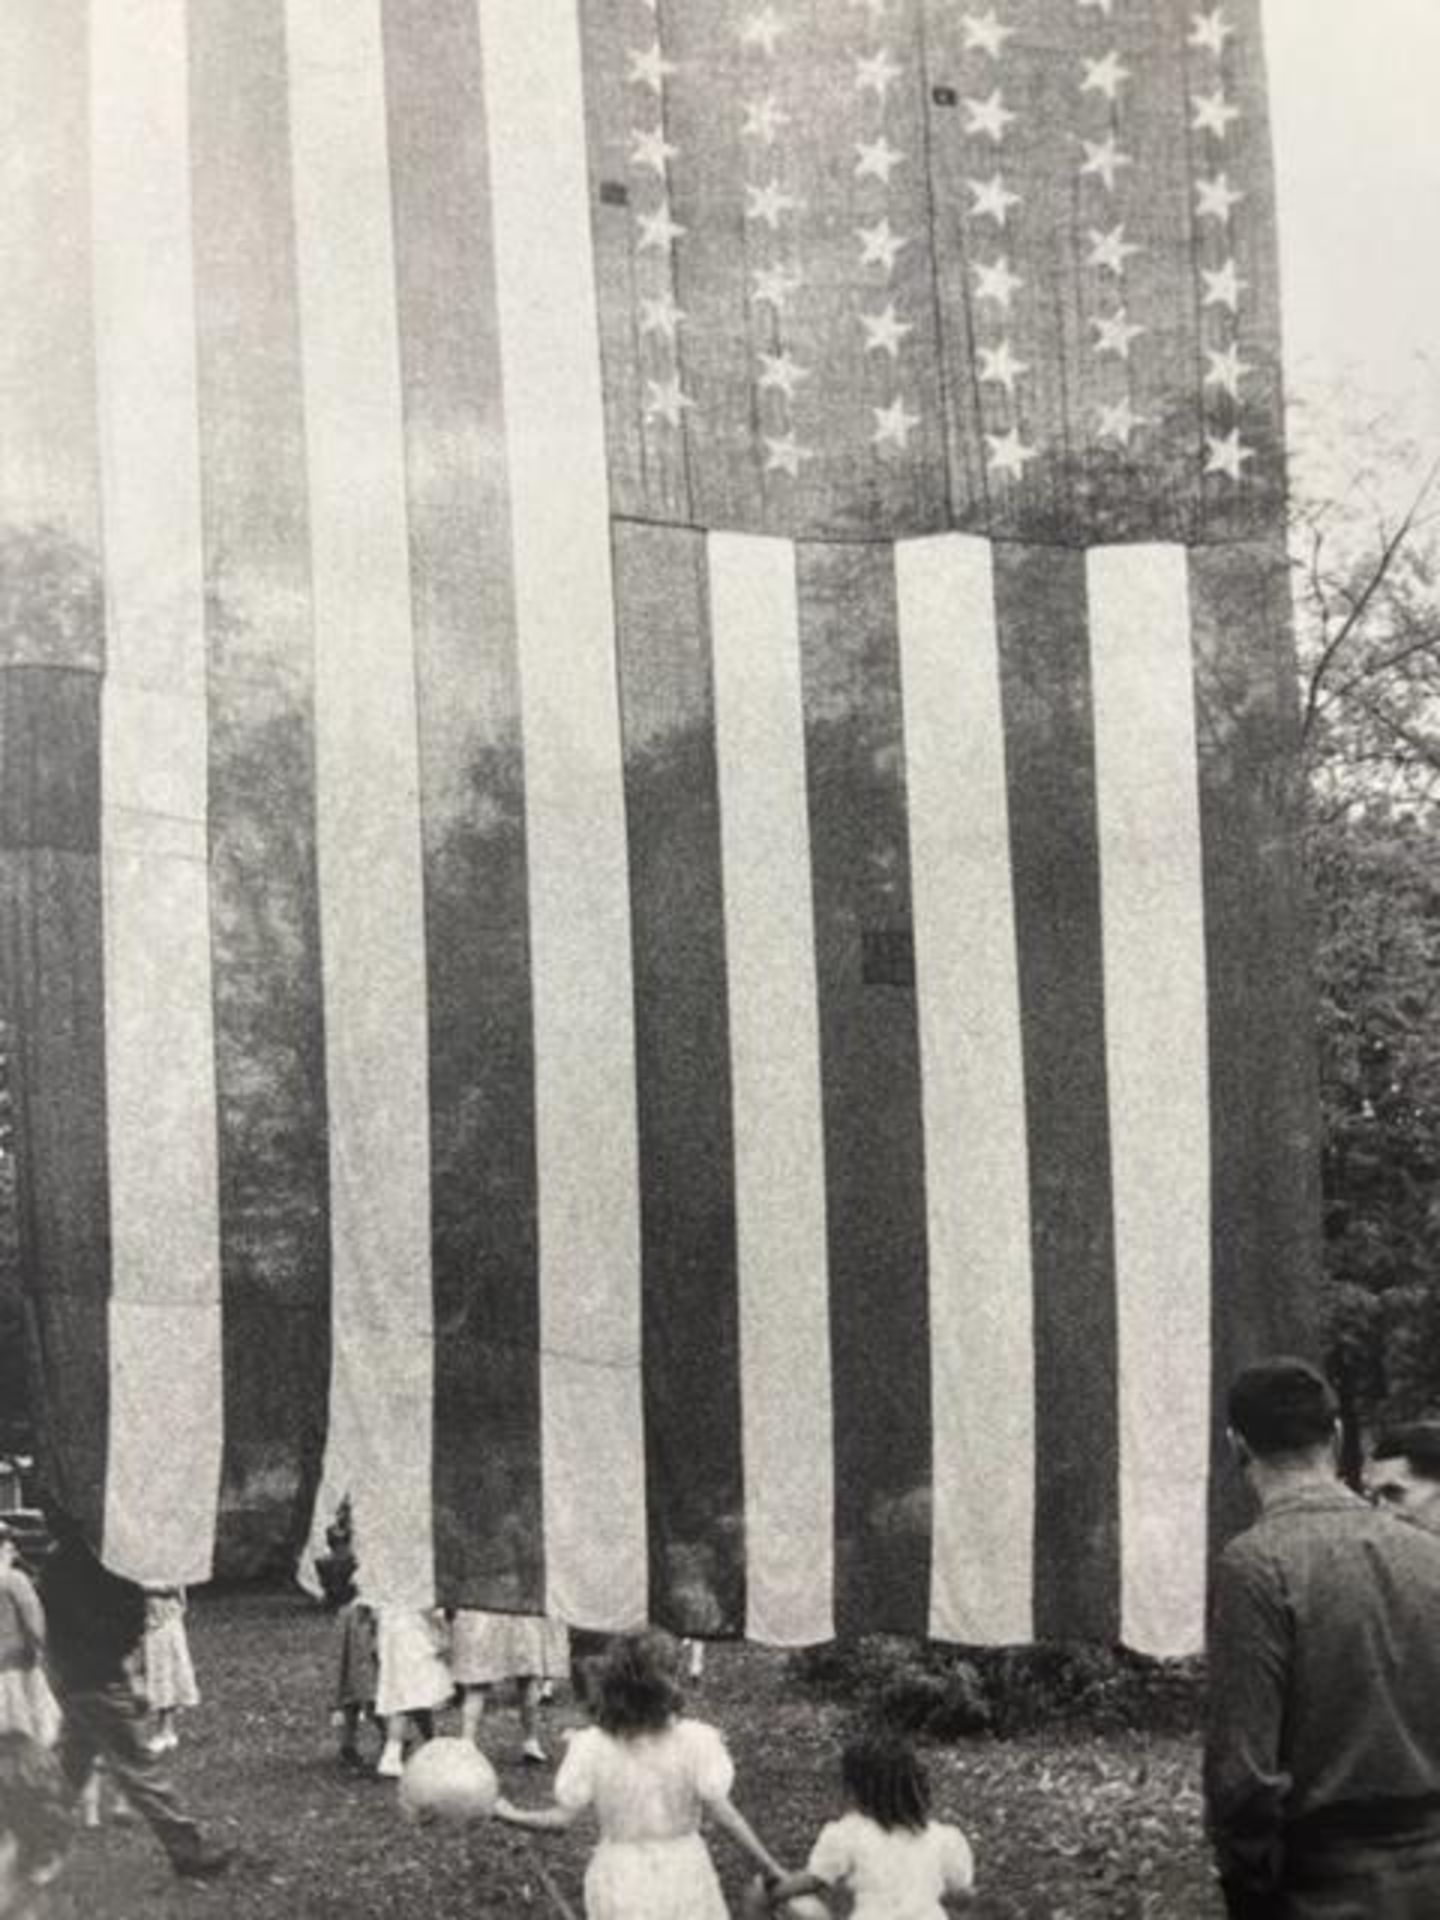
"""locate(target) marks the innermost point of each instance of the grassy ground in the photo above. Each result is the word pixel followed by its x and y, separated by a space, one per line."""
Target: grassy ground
pixel 1070 1828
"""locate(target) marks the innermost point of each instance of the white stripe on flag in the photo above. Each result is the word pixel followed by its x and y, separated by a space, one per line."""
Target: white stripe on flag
pixel 977 1175
pixel 164 1439
pixel 367 801
pixel 775 1067
pixel 1156 1053
pixel 585 1098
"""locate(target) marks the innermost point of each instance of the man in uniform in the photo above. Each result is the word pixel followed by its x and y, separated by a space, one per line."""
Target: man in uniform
pixel 1322 1755
pixel 1404 1472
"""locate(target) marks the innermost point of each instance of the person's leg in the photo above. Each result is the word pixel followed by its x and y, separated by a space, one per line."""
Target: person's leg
pixel 166 1738
pixel 533 1748
pixel 422 1724
pixel 391 1763
pixel 114 1719
pixel 472 1712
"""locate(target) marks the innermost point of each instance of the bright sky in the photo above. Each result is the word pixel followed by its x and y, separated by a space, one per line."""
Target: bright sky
pixel 1355 89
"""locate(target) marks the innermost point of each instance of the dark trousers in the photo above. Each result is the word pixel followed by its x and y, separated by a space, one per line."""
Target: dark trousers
pixel 108 1722
pixel 1370 1879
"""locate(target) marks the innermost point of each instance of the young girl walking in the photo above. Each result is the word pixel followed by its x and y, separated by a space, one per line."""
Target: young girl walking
pixel 169 1674
pixel 885 1852
pixel 650 1776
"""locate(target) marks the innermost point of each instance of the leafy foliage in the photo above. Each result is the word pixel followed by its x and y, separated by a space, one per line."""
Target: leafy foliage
pixel 1366 547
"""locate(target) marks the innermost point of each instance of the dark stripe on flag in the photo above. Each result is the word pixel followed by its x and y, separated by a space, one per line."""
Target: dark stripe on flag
pixel 870 1081
pixel 264 921
pixel 489 1541
pixel 52 652
pixel 1050 769
pixel 52 996
pixel 690 1326
pixel 1265 1156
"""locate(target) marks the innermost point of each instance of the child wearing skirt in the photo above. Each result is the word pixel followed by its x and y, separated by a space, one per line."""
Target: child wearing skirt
pixel 414 1679
pixel 358 1680
pixel 488 1649
pixel 169 1675
pixel 27 1706
pixel 649 1776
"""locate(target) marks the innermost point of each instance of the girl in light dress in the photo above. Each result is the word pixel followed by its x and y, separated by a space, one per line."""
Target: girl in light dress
pixel 169 1674
pixel 412 1681
pixel 26 1703
pixel 649 1776
pixel 490 1649
pixel 884 1852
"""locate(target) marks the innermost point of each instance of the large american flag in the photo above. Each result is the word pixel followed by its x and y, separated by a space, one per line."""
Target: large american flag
pixel 645 720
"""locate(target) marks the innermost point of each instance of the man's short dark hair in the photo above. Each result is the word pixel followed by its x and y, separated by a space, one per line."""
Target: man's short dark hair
pixel 1416 1441
pixel 1282 1405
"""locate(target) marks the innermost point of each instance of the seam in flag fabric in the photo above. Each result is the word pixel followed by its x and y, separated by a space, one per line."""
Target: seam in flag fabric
pixel 646 724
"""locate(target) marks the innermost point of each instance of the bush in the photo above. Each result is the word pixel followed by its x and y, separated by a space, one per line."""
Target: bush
pixel 947 1692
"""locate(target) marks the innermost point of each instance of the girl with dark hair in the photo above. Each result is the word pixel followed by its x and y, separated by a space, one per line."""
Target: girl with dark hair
pixel 885 1851
pixel 650 1775
pixel 35 1825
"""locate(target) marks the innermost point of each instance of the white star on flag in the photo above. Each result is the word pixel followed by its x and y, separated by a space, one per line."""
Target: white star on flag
pixel 1000 365
pixel 1007 453
pixel 661 315
pixel 1114 332
pixel 990 116
pixel 648 67
pixel 875 72
pixel 879 244
pixel 1215 197
pixel 984 33
pixel 992 197
pixel 1103 157
pixel 1213 113
pixel 1111 250
pixel 1119 421
pixel 1226 453
pixel 1104 76
pixel 783 454
pixel 782 373
pixel 997 282
pixel 763 118
pixel 894 424
pixel 762 29
pixel 665 401
pixel 884 331
pixel 1226 369
pixel 658 230
pixel 878 160
pixel 1211 31
pixel 769 203
pixel 1223 286
pixel 650 148
pixel 774 286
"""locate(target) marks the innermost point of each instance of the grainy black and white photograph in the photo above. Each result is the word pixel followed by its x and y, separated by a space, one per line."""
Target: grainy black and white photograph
pixel 719 959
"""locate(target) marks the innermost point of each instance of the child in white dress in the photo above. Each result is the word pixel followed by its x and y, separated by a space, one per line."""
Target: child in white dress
pixel 649 1776
pixel 885 1852
pixel 169 1673
pixel 412 1681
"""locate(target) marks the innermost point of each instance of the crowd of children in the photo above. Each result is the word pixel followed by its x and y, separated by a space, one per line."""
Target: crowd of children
pixel 644 1772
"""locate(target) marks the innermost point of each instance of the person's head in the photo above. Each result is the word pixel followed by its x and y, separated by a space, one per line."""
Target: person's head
pixel 636 1685
pixel 1282 1414
pixel 1404 1472
pixel 884 1779
pixel 35 1822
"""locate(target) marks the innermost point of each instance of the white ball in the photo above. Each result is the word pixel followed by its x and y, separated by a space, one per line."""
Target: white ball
pixel 448 1779
pixel 805 1906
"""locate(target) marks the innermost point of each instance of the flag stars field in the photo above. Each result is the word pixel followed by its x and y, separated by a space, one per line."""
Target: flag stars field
pixel 1105 76
pixel 885 330
pixel 1215 198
